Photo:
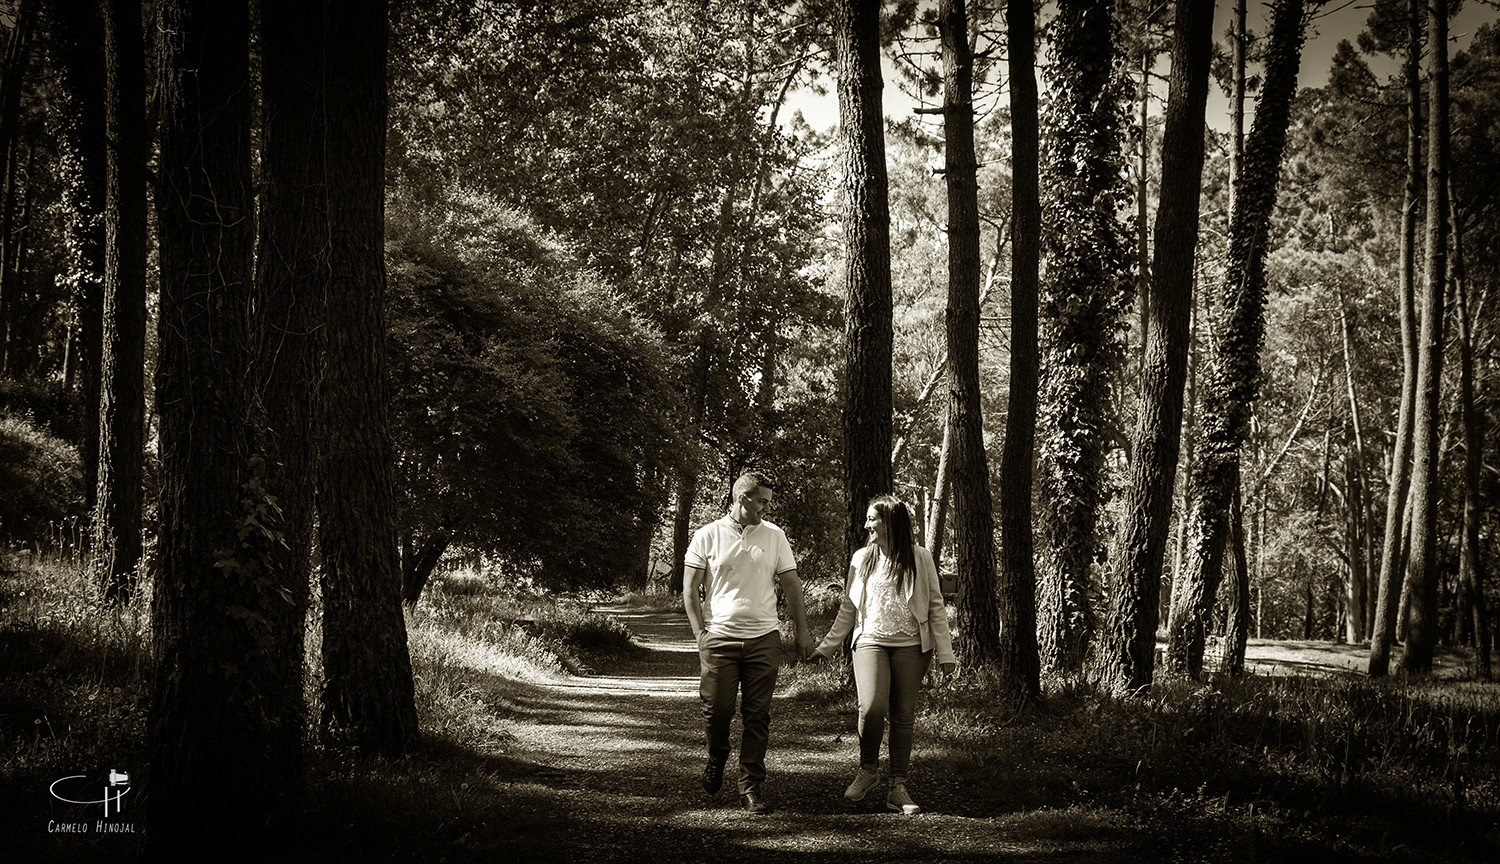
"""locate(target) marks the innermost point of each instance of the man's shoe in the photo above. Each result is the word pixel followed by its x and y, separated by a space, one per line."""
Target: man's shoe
pixel 900 802
pixel 713 777
pixel 754 803
pixel 862 783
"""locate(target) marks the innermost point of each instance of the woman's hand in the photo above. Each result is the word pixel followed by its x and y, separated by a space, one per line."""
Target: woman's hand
pixel 948 670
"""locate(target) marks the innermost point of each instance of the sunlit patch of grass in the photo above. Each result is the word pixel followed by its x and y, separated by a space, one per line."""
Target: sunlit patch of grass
pixel 461 682
pixel 654 599
pixel 74 682
pixel 487 609
pixel 825 682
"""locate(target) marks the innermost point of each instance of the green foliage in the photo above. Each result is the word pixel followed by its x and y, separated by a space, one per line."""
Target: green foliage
pixel 531 406
pixel 40 479
pixel 638 137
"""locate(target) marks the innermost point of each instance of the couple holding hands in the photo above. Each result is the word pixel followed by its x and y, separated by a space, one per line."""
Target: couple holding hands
pixel 892 604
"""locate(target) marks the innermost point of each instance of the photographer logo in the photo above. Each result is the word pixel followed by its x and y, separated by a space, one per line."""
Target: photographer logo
pixel 84 791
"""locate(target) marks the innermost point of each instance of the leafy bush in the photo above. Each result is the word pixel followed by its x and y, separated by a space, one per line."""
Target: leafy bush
pixel 40 479
pixel 48 406
pixel 532 410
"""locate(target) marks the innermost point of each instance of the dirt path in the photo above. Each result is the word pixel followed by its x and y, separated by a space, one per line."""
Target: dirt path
pixel 606 769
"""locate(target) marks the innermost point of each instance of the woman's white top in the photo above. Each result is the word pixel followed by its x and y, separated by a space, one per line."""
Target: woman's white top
pixel 923 599
pixel 888 620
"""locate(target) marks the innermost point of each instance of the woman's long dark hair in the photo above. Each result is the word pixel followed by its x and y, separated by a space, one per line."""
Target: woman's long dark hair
pixel 897 518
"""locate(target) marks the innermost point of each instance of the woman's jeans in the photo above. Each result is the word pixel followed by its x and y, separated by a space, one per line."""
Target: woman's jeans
pixel 887 680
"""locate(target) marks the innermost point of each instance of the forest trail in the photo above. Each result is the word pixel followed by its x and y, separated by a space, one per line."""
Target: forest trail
pixel 606 768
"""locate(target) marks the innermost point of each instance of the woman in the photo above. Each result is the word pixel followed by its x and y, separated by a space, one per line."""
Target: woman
pixel 894 605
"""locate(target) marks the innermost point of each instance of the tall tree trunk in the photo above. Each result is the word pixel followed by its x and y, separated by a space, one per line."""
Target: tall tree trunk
pixel 217 786
pixel 1129 641
pixel 1231 389
pixel 1422 571
pixel 937 517
pixel 1237 98
pixel 122 400
pixel 977 612
pixel 1082 303
pixel 1018 663
pixel 1185 469
pixel 1354 551
pixel 868 328
pixel 1359 496
pixel 1237 623
pixel 368 700
pixel 1472 628
pixel 1392 559
pixel 1142 201
pixel 291 275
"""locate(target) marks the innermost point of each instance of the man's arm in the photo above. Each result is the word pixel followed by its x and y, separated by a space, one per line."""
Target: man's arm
pixel 692 580
pixel 791 586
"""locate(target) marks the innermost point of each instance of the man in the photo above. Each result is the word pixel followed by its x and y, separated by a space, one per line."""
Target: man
pixel 739 638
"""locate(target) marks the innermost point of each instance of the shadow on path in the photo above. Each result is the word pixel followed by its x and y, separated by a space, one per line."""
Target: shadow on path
pixel 614 763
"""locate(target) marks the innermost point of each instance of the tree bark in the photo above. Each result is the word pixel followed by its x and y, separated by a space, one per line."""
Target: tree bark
pixel 1082 308
pixel 1018 664
pixel 868 328
pixel 217 785
pixel 1082 305
pixel 1129 641
pixel 417 567
pixel 1358 498
pixel 122 399
pixel 291 275
pixel 1232 383
pixel 368 700
pixel 937 517
pixel 1472 626
pixel 1392 560
pixel 1238 618
pixel 974 521
pixel 1422 570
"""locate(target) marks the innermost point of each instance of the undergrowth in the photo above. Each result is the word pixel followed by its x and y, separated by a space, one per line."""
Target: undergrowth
pixel 1240 769
pixel 1251 768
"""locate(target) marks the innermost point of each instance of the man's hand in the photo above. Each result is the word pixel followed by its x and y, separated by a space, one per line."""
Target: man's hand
pixel 805 646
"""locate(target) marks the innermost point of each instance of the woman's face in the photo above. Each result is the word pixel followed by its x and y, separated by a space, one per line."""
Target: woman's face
pixel 879 532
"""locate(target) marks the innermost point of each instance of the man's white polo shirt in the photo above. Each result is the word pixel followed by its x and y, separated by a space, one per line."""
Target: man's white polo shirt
pixel 741 565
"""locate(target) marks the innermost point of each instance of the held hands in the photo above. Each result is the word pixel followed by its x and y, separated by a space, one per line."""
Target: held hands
pixel 806 648
pixel 948 673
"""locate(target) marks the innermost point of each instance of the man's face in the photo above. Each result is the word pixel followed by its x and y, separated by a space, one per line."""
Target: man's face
pixel 754 503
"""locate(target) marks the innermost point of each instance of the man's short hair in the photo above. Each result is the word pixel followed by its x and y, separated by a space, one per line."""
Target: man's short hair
pixel 750 481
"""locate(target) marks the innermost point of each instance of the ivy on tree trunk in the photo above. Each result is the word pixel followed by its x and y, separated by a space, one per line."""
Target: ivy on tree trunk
pixel 1129 642
pixel 1231 386
pixel 1089 286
